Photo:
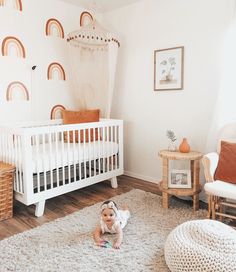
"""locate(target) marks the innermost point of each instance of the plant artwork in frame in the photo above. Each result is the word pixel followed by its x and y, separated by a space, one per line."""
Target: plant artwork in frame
pixel 179 179
pixel 168 69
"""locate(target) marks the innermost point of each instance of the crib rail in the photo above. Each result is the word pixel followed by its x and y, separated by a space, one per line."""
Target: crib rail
pixel 52 159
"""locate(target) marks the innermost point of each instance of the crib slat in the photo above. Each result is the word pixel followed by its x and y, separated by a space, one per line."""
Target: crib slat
pixel 26 151
pixel 84 153
pixel 108 138
pixel 5 147
pixel 74 156
pixel 36 162
pixel 94 157
pixel 57 159
pixel 89 152
pixel 9 158
pixel 112 147
pixel 44 166
pixel 17 164
pixel 99 151
pixel 20 186
pixel 13 149
pixel 116 154
pixel 68 157
pixel 51 159
pixel 63 156
pixel 16 179
pixel 121 147
pixel 79 157
pixel 103 149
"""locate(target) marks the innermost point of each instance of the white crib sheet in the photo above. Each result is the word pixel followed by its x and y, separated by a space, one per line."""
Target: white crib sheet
pixel 62 154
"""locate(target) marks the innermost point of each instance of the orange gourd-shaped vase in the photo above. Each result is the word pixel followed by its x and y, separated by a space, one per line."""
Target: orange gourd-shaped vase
pixel 184 146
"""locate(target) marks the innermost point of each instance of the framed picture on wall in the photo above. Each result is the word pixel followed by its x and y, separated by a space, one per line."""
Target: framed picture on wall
pixel 179 179
pixel 169 69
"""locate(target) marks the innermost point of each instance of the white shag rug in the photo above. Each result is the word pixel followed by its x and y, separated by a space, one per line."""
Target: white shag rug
pixel 66 244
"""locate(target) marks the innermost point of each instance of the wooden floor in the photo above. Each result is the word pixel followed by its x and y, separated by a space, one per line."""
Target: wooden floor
pixel 60 206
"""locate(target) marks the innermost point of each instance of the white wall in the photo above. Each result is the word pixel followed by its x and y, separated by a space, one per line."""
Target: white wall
pixel 199 26
pixel 28 26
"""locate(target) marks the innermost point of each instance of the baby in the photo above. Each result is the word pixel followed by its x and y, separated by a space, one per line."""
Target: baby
pixel 112 221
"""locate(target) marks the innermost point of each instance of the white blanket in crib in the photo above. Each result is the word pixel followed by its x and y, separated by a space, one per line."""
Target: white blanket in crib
pixel 50 156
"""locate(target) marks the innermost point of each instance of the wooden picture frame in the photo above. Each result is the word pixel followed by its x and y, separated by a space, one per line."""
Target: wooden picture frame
pixel 179 179
pixel 169 69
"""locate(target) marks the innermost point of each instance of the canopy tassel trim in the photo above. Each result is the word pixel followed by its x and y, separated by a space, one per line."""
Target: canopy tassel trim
pixel 92 34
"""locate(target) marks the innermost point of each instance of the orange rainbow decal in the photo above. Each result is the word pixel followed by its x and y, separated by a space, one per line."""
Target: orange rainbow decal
pixel 16 3
pixel 55 70
pixel 17 90
pixel 85 18
pixel 56 112
pixel 52 26
pixel 10 43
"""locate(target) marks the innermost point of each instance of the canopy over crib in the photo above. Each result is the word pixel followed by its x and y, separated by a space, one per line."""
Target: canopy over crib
pixel 93 35
pixel 93 56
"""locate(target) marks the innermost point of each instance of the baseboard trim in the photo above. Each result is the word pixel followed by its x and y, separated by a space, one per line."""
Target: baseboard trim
pixel 138 176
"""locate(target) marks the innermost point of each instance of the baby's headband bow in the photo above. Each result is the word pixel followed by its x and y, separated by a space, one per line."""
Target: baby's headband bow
pixel 110 205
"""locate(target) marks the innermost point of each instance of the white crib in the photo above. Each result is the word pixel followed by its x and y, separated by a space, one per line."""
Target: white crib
pixel 48 166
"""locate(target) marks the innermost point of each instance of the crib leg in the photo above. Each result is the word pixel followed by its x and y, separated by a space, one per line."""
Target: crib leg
pixel 114 182
pixel 39 210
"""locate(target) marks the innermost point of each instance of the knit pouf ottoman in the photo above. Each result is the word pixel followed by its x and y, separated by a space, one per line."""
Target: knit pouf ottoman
pixel 201 245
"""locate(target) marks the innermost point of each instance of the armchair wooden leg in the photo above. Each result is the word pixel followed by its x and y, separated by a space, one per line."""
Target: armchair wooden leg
pixel 218 207
pixel 221 208
pixel 209 206
pixel 213 211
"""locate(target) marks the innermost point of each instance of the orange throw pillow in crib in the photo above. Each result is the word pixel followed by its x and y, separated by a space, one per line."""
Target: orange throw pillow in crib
pixel 84 116
pixel 226 170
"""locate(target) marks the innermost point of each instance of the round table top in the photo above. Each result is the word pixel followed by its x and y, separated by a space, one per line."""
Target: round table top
pixel 176 155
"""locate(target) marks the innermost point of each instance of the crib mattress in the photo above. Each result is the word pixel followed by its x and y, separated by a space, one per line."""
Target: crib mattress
pixel 51 156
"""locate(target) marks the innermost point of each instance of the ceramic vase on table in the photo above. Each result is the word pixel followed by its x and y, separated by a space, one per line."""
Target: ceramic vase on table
pixel 172 146
pixel 184 147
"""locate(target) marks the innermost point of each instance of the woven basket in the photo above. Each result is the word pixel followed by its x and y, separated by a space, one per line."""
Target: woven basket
pixel 6 190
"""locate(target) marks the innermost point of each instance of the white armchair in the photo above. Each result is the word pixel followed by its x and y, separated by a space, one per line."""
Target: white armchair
pixel 221 194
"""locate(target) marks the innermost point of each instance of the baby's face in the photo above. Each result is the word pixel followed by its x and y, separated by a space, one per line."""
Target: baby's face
pixel 108 216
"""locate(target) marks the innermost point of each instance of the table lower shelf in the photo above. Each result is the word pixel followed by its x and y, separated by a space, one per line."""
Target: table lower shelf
pixel 181 191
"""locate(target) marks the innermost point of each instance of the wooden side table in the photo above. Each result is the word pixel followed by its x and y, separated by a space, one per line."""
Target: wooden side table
pixel 194 158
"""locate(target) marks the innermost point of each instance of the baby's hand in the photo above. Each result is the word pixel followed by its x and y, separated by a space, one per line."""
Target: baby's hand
pixel 100 241
pixel 116 245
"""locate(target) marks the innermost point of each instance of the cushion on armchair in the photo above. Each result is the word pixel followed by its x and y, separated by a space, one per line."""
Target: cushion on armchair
pixel 226 170
pixel 221 189
pixel 225 139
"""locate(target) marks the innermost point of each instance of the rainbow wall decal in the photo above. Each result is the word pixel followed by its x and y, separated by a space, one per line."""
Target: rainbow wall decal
pixel 54 25
pixel 12 42
pixel 85 18
pixel 16 3
pixel 17 89
pixel 56 112
pixel 56 69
